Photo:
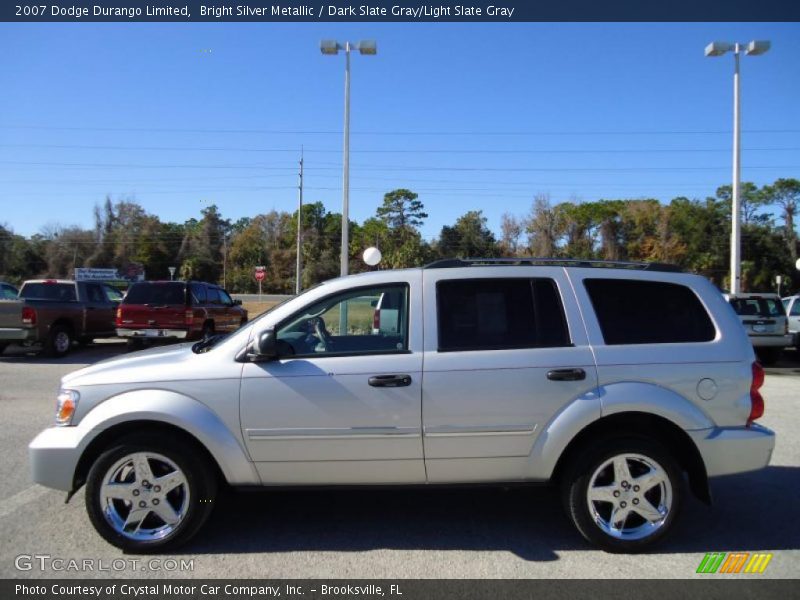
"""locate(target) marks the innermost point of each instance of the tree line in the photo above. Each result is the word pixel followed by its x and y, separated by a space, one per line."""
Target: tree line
pixel 692 233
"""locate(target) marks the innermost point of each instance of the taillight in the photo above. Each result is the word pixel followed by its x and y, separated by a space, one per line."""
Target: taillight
pixel 189 317
pixel 119 316
pixel 376 319
pixel 756 400
pixel 28 316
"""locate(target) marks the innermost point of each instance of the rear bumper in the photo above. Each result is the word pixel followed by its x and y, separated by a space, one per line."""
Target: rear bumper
pixel 771 341
pixel 18 334
pixel 728 450
pixel 153 334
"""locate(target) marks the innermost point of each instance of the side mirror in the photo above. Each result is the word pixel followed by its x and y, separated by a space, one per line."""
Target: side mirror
pixel 237 302
pixel 265 347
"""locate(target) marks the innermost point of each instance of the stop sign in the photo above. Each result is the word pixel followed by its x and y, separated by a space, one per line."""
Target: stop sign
pixel 261 273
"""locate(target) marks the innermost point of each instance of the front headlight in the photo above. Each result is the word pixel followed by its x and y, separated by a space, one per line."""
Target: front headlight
pixel 66 403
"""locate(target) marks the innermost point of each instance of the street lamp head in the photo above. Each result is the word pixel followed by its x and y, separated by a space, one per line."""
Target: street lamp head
pixel 329 47
pixel 718 48
pixel 368 47
pixel 755 47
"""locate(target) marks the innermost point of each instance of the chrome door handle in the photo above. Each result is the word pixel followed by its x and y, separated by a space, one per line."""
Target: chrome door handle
pixel 390 380
pixel 566 375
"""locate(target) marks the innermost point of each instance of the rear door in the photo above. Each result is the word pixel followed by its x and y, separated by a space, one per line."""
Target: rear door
pixel 504 352
pixel 99 310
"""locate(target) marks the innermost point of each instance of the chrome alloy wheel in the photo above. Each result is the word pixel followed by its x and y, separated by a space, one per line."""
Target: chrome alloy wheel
pixel 144 496
pixel 61 342
pixel 629 496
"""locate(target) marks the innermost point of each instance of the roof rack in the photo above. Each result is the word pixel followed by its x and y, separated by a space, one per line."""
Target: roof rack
pixel 450 263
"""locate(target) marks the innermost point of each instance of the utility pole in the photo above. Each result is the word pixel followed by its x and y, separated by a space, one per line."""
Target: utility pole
pixel 298 268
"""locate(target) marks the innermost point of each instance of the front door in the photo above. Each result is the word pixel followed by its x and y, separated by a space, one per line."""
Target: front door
pixel 342 402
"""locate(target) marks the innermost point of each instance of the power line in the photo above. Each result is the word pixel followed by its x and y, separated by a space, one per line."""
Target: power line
pixel 405 150
pixel 400 132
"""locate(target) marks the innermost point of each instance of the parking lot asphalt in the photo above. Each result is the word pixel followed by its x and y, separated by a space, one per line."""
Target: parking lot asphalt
pixel 393 533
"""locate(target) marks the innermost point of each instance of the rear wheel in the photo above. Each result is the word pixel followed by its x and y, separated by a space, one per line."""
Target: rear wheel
pixel 623 494
pixel 769 356
pixel 134 344
pixel 149 494
pixel 3 346
pixel 58 342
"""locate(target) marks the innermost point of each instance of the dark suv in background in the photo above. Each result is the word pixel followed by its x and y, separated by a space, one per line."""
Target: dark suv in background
pixel 183 310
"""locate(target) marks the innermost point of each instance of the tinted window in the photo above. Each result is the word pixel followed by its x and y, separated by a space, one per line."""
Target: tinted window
pixel 648 312
pixel 212 296
pixel 112 293
pixel 757 307
pixel 225 298
pixel 491 314
pixel 795 308
pixel 64 292
pixel 345 324
pixel 94 293
pixel 7 292
pixel 156 293
pixel 198 293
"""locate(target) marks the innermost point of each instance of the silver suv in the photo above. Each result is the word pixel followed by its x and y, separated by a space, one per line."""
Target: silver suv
pixel 610 380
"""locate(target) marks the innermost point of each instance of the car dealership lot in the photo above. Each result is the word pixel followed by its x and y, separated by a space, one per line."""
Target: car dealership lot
pixel 484 532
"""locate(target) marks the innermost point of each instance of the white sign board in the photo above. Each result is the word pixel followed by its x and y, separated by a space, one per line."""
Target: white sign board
pixel 85 274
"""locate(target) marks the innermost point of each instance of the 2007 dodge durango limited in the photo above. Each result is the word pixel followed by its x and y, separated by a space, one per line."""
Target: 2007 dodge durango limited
pixel 614 381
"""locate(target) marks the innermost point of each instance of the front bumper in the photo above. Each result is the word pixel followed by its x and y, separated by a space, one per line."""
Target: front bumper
pixel 152 334
pixel 54 456
pixel 771 341
pixel 728 450
pixel 17 334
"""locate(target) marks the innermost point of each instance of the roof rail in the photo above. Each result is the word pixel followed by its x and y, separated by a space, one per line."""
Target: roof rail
pixel 450 263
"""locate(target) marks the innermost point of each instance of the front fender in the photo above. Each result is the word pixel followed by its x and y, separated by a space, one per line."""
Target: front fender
pixel 182 412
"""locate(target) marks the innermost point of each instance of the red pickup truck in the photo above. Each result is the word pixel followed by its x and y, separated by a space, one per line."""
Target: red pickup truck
pixel 56 312
pixel 183 310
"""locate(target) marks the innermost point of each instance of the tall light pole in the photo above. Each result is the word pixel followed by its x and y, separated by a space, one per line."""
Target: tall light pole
pixel 367 47
pixel 753 48
pixel 298 278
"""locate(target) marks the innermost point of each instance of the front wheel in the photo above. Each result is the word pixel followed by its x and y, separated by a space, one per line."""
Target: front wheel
pixel 149 494
pixel 623 495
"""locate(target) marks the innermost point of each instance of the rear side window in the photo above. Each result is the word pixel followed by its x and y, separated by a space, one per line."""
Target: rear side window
pixel 63 292
pixel 795 308
pixel 156 293
pixel 648 312
pixel 495 314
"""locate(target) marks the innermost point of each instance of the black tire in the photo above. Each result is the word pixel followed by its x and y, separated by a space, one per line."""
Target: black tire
pixel 208 330
pixel 578 476
pixel 3 346
pixel 58 342
pixel 134 344
pixel 769 356
pixel 199 476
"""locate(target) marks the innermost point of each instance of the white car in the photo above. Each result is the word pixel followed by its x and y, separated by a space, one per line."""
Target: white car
pixel 791 306
pixel 613 381
pixel 764 319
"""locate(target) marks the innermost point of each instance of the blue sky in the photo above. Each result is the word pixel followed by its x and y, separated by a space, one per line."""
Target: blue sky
pixel 472 116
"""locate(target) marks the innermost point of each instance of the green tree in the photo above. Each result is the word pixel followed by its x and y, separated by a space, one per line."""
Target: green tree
pixel 468 237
